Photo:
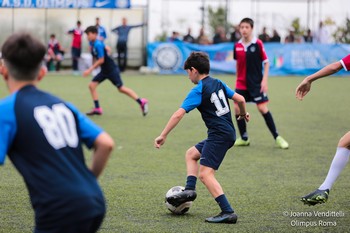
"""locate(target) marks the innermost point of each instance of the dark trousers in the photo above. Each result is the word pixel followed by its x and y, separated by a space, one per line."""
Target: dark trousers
pixel 75 57
pixel 122 51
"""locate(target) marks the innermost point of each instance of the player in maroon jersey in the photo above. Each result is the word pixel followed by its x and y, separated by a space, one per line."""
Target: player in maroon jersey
pixel 252 74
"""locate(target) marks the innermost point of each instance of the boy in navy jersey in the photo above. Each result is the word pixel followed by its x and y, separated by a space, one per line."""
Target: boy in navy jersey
pixel 109 70
pixel 210 97
pixel 250 55
pixel 43 136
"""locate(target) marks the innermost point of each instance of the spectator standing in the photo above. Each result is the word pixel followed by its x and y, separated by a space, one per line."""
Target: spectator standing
pixel 188 38
pixel 202 38
pixel 102 35
pixel 77 34
pixel 175 37
pixel 275 36
pixel 220 35
pixel 264 37
pixel 322 35
pixel 308 38
pixel 236 35
pixel 122 44
pixel 290 38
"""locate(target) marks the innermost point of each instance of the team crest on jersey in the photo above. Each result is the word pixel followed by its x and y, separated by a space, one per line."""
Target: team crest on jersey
pixel 252 49
pixel 167 57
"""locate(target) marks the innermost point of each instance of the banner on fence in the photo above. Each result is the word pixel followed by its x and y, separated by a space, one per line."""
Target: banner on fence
pixel 65 3
pixel 285 59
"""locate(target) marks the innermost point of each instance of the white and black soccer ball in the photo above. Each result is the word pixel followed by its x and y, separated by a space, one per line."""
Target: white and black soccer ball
pixel 181 209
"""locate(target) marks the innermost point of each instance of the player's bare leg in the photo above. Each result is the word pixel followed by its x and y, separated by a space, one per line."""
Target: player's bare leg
pixel 97 110
pixel 192 157
pixel 227 215
pixel 132 94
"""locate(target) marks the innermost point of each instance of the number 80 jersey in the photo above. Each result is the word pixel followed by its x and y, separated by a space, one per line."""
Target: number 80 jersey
pixel 210 97
pixel 43 137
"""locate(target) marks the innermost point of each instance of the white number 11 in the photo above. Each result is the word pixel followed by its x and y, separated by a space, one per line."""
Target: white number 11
pixel 221 110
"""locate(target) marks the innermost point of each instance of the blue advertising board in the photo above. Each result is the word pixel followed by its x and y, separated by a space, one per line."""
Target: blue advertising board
pixel 285 59
pixel 110 4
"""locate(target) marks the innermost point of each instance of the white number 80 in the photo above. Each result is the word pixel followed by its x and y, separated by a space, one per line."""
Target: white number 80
pixel 58 125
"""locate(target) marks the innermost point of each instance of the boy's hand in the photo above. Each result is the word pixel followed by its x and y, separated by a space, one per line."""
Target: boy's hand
pixel 159 141
pixel 246 117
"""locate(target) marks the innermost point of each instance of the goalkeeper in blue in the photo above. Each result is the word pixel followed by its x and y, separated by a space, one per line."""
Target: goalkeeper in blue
pixel 210 96
pixel 341 157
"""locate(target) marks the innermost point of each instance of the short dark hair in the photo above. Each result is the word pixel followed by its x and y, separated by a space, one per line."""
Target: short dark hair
pixel 23 56
pixel 92 29
pixel 199 61
pixel 249 21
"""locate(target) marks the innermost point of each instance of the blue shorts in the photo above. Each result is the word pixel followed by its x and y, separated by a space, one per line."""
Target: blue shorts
pixel 113 76
pixel 258 98
pixel 213 152
pixel 84 226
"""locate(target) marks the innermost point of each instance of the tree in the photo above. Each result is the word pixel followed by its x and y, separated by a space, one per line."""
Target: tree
pixel 216 18
pixel 342 34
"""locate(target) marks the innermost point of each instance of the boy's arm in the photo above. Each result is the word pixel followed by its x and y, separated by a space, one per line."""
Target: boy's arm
pixel 96 64
pixel 243 114
pixel 173 121
pixel 264 86
pixel 305 86
pixel 103 147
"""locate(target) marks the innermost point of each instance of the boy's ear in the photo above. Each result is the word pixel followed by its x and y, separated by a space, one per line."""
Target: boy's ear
pixel 4 72
pixel 42 73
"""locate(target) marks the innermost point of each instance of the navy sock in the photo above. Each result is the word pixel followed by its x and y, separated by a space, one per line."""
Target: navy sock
pixel 270 124
pixel 139 101
pixel 242 127
pixel 224 204
pixel 191 183
pixel 97 104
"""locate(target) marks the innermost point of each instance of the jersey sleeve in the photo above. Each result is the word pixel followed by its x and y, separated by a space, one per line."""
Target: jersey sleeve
pixel 8 125
pixel 346 62
pixel 100 48
pixel 88 130
pixel 263 54
pixel 228 90
pixel 193 99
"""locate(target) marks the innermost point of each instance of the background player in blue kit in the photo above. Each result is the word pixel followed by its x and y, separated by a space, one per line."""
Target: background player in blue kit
pixel 251 81
pixel 210 97
pixel 109 70
pixel 45 144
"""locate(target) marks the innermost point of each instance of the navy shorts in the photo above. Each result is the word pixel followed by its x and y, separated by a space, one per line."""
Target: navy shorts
pixel 113 76
pixel 213 152
pixel 84 226
pixel 258 98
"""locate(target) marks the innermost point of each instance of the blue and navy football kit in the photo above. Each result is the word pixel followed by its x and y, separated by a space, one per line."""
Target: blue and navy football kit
pixel 43 137
pixel 109 70
pixel 210 97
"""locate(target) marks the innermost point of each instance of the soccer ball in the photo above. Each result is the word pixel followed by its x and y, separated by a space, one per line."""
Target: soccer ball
pixel 181 209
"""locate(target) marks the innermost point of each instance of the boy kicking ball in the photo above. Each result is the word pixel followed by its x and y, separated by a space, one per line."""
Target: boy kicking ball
pixel 210 97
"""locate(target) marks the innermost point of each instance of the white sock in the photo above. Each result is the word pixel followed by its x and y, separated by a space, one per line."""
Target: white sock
pixel 339 162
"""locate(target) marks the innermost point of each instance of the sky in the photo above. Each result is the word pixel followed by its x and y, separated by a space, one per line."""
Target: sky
pixel 178 15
